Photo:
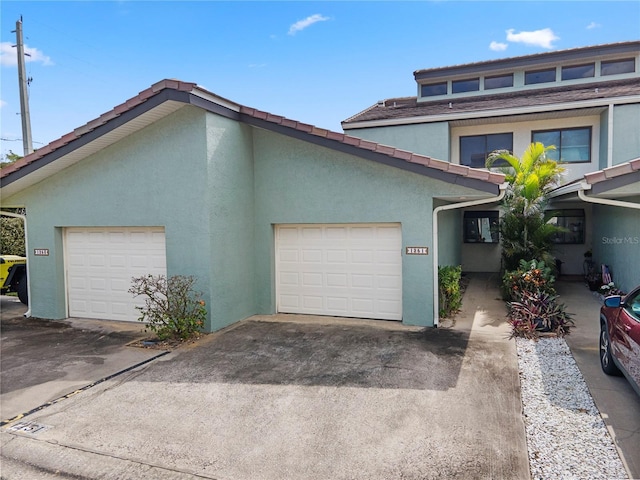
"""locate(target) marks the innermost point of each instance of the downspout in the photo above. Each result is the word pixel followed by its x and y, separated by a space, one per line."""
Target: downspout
pixel 604 201
pixel 436 211
pixel 26 246
pixel 610 136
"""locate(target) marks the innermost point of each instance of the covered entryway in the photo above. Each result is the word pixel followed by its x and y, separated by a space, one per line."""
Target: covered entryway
pixel 340 270
pixel 100 263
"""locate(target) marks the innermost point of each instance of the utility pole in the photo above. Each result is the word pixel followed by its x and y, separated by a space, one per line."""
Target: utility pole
pixel 27 143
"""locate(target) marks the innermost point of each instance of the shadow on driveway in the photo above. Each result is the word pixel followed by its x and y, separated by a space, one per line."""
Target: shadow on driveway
pixel 324 355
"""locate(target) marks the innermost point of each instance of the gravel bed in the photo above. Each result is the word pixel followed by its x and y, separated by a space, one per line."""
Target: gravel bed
pixel 566 436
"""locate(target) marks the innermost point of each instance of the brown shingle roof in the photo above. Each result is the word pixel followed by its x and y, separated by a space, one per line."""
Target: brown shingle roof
pixel 257 117
pixel 408 107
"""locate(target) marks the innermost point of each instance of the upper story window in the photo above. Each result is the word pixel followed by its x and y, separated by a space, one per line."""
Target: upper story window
pixel 468 85
pixel 615 67
pixel 573 145
pixel 578 71
pixel 475 149
pixel 433 89
pixel 500 81
pixel 540 76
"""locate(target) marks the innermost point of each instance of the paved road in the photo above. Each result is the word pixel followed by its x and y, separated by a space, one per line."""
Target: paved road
pixel 615 398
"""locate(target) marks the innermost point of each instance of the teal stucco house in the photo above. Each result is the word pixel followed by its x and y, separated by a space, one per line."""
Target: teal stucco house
pixel 276 216
pixel 271 215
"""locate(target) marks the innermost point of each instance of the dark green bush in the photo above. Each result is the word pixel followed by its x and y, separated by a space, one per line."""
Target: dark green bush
pixel 12 236
pixel 450 294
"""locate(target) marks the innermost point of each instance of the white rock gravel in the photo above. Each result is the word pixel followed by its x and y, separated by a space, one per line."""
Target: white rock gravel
pixel 566 436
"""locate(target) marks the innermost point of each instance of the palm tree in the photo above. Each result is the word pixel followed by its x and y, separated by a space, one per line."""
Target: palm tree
pixel 525 234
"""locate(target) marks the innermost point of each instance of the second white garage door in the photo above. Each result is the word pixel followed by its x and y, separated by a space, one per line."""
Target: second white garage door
pixel 100 263
pixel 340 270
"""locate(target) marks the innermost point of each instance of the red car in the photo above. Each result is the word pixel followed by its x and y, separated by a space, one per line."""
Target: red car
pixel 620 337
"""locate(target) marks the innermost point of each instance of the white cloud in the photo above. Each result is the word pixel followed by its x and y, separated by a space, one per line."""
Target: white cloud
pixel 538 38
pixel 593 25
pixel 9 56
pixel 498 47
pixel 3 103
pixel 307 22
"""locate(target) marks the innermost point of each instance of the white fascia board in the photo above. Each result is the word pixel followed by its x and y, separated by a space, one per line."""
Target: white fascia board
pixel 448 117
pixel 211 97
pixel 566 189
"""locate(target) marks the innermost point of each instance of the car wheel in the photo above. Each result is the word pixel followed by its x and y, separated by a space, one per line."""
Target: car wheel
pixel 606 360
pixel 21 289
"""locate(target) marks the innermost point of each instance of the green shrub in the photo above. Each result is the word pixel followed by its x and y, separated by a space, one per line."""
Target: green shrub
pixel 531 276
pixel 449 289
pixel 12 236
pixel 172 309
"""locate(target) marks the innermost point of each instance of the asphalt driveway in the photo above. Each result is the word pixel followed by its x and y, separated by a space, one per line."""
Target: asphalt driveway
pixel 44 360
pixel 299 397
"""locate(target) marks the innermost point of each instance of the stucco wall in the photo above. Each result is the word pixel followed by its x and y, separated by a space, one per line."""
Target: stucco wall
pixel 626 140
pixel 151 178
pixel 431 139
pixel 604 140
pixel 231 218
pixel 616 242
pixel 297 182
pixel 449 236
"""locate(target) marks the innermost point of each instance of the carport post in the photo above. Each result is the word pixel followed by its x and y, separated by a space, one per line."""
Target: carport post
pixel 26 248
pixel 434 222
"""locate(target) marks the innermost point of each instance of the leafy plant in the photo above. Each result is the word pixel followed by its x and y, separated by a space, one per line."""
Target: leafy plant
pixel 449 289
pixel 530 277
pixel 538 312
pixel 12 236
pixel 524 232
pixel 172 309
pixel 609 289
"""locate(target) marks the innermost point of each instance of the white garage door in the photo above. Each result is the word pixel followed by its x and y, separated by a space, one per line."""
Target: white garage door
pixel 340 270
pixel 100 263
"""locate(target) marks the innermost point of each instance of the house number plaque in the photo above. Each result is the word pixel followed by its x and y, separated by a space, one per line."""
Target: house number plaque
pixel 41 252
pixel 417 251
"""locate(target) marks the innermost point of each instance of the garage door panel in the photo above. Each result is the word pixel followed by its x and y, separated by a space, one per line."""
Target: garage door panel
pixel 100 263
pixel 344 270
pixel 313 302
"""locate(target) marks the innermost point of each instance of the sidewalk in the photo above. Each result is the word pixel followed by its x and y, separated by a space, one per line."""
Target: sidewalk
pixel 308 398
pixel 618 403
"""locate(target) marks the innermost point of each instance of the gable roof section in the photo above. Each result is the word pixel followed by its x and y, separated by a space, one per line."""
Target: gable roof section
pixel 618 176
pixel 400 110
pixel 166 96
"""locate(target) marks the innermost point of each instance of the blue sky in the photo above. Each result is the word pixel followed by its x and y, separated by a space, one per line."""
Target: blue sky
pixel 316 62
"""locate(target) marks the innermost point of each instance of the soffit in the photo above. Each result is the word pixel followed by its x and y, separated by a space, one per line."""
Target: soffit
pixel 95 145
